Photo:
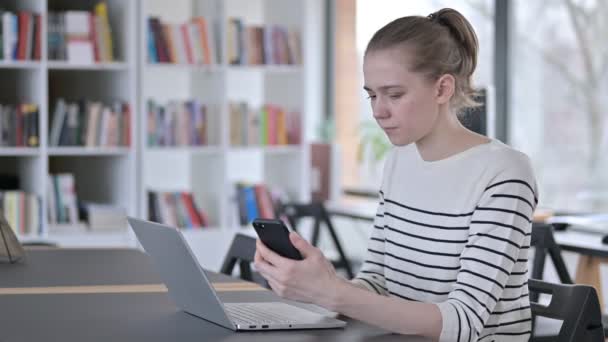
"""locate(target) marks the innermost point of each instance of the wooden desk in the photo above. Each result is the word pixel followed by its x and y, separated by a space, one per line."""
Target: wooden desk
pixel 116 295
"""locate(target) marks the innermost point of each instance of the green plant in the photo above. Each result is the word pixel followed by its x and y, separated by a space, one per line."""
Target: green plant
pixel 373 140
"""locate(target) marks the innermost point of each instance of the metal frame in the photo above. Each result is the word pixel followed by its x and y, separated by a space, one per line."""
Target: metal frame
pixel 502 15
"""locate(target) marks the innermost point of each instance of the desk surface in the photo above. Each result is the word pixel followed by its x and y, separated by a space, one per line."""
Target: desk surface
pixel 354 208
pixel 581 241
pixel 127 316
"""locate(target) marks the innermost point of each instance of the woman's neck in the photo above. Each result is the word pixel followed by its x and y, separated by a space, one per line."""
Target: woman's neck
pixel 448 137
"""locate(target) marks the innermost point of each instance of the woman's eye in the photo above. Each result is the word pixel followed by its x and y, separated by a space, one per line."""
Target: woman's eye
pixel 371 97
pixel 395 96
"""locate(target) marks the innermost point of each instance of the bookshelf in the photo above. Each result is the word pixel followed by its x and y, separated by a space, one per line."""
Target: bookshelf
pixel 211 172
pixel 122 175
pixel 102 174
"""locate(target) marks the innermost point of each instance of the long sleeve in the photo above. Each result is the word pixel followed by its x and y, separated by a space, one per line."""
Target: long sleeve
pixel 371 275
pixel 491 284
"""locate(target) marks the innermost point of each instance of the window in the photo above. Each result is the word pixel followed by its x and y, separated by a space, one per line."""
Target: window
pixel 558 104
pixel 371 15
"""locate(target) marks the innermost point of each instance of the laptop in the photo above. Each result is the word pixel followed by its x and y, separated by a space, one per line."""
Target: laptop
pixel 192 292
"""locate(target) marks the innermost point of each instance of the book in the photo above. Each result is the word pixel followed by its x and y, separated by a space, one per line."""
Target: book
pixel 241 204
pixel 177 209
pixel 101 11
pixel 88 123
pixel 103 216
pixel 58 122
pixel 75 36
pixel 19 35
pixel 264 201
pixel 179 123
pixel 80 48
pixel 62 189
pixel 66 187
pixel 189 42
pixel 32 134
pixel 257 201
pixel 193 215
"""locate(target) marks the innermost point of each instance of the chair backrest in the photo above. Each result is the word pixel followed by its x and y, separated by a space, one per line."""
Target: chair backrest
pixel 544 243
pixel 294 212
pixel 242 250
pixel 577 306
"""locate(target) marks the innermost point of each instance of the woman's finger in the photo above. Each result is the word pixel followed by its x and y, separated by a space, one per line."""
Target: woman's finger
pixel 270 255
pixel 267 270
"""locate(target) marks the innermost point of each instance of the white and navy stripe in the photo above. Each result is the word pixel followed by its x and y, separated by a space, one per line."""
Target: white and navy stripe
pixel 467 251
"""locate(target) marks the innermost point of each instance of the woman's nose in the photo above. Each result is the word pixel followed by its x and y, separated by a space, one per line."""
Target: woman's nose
pixel 379 109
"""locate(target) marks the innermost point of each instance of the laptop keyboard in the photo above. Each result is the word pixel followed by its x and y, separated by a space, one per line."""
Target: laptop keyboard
pixel 258 313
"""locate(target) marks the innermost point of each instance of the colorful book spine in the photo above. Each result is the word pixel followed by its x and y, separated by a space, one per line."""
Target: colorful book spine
pixel 177 209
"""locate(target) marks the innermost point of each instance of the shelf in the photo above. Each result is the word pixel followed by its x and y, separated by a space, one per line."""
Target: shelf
pixel 268 149
pixel 88 233
pixel 20 64
pixel 186 149
pixel 282 149
pixel 184 67
pixel 29 238
pixel 282 69
pixel 19 151
pixel 199 231
pixel 62 65
pixel 89 151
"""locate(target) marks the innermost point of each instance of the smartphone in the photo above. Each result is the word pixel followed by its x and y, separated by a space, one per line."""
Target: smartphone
pixel 275 235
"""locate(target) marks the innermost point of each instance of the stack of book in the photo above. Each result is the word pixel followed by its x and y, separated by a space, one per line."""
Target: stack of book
pixel 192 42
pixel 180 123
pixel 22 210
pixel 176 209
pixel 20 35
pixel 103 217
pixel 270 125
pixel 62 199
pixel 80 37
pixel 255 45
pixel 257 201
pixel 90 123
pixel 19 125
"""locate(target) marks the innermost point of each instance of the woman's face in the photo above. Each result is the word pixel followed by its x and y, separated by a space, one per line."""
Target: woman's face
pixel 404 103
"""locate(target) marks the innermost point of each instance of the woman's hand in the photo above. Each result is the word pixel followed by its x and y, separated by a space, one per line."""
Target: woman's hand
pixel 312 279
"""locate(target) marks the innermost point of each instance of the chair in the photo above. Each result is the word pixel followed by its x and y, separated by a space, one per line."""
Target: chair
pixel 316 210
pixel 576 305
pixel 544 243
pixel 242 250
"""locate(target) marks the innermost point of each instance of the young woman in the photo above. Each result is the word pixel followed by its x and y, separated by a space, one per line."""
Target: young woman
pixel 448 252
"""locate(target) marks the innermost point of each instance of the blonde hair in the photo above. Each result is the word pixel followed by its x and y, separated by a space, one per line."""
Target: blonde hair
pixel 442 43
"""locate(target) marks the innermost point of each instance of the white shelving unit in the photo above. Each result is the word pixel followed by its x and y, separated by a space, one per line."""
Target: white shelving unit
pixel 211 172
pixel 106 175
pixel 124 175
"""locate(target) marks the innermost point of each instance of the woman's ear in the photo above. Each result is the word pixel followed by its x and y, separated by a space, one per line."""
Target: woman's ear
pixel 445 85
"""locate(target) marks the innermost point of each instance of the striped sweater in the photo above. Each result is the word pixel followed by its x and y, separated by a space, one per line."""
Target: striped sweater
pixel 456 232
